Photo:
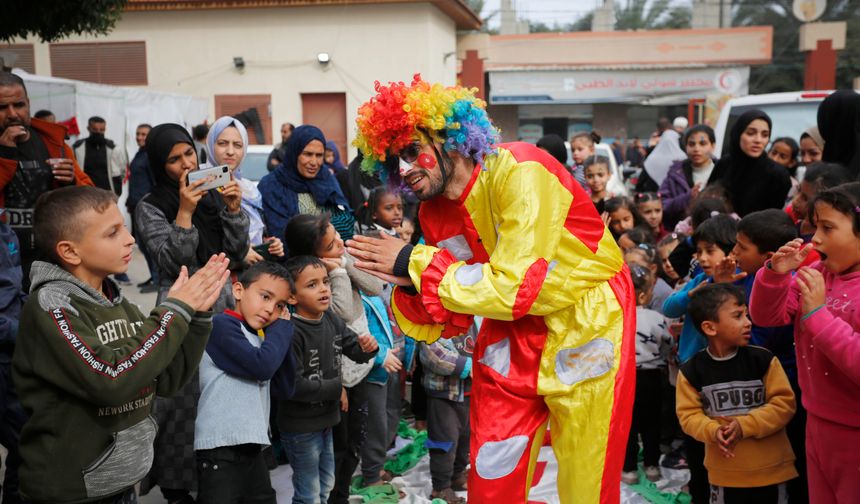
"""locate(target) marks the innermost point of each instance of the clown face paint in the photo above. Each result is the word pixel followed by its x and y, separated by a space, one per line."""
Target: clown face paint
pixel 427 161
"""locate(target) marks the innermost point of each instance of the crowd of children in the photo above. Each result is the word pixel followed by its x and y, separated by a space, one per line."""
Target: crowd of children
pixel 755 329
pixel 750 320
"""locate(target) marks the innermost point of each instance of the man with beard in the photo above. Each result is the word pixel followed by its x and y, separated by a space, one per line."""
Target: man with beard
pixel 276 157
pixel 34 159
pixel 102 160
pixel 511 237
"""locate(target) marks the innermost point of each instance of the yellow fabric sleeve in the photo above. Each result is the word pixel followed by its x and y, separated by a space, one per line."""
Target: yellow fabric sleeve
pixel 693 420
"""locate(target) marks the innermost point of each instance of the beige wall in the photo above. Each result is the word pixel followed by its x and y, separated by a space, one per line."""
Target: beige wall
pixel 191 52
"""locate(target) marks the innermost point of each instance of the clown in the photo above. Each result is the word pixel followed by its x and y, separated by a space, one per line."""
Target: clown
pixel 511 237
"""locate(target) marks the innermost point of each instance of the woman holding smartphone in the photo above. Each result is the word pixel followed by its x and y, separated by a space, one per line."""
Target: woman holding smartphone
pixel 227 142
pixel 181 225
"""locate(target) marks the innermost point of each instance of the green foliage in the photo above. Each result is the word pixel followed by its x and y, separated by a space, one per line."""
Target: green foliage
pixel 477 7
pixel 785 73
pixel 52 20
pixel 659 15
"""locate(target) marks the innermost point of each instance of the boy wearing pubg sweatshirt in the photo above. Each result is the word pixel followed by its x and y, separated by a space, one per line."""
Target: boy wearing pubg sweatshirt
pixel 88 363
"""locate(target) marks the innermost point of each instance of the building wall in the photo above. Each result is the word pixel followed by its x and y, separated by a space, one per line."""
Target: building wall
pixel 610 120
pixel 506 118
pixel 191 52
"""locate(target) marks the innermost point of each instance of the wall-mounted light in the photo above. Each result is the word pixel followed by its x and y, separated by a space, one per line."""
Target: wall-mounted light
pixel 239 63
pixel 324 58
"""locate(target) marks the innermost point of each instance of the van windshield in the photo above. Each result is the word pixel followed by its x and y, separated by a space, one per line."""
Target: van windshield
pixel 789 119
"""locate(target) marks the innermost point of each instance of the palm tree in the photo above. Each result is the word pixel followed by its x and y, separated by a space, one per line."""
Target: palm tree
pixel 660 15
pixel 785 73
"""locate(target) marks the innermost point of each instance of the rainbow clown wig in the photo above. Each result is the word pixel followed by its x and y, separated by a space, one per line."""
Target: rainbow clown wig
pixel 399 115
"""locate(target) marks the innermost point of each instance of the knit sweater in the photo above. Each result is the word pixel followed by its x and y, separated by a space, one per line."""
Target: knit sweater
pixel 827 341
pixel 347 284
pixel 751 387
pixel 87 367
pixel 317 349
pixel 234 381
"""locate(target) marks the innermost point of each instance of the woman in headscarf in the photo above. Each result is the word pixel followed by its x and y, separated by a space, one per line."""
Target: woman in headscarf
pixel 658 162
pixel 226 143
pixel 332 158
pixel 686 178
pixel 302 185
pixel 839 124
pixel 753 180
pixel 180 225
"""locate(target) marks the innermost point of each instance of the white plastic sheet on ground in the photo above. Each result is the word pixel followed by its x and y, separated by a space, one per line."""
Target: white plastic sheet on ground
pixel 416 482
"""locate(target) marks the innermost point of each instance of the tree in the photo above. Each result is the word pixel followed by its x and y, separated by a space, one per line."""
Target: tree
pixel 661 15
pixel 785 72
pixel 53 20
pixel 477 7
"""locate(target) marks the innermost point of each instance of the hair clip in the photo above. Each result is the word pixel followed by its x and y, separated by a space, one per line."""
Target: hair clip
pixel 857 209
pixel 714 213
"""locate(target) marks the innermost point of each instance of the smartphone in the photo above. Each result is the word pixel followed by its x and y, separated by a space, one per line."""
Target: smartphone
pixel 263 250
pixel 219 177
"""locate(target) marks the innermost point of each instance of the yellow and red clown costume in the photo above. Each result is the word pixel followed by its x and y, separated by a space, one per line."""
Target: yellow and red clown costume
pixel 524 248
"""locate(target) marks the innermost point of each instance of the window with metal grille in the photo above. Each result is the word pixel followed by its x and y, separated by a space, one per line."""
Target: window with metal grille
pixel 18 56
pixel 118 63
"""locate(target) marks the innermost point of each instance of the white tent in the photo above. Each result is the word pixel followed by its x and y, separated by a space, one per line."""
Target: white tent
pixel 122 107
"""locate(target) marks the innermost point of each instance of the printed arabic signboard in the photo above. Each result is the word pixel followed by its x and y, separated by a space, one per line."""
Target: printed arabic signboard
pixel 636 86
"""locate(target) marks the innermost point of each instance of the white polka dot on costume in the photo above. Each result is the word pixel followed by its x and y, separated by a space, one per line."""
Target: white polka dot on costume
pixel 469 274
pixel 593 359
pixel 497 459
pixel 498 357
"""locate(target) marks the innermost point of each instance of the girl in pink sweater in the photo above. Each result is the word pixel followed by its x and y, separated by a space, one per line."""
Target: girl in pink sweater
pixel 821 301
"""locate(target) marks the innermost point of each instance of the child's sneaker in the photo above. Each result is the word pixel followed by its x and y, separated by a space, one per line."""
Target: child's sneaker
pixel 653 473
pixel 630 477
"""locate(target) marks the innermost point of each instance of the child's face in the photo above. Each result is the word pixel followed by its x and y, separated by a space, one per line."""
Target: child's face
pixel 596 176
pixel 406 230
pixel 800 202
pixel 331 246
pixel 652 212
pixel 638 256
pixel 329 156
pixel 389 211
pixel 835 240
pixel 747 254
pixel 624 242
pixel 263 301
pixel 103 246
pixel 732 327
pixel 699 148
pixel 780 153
pixel 620 221
pixel 313 294
pixel 709 256
pixel 665 251
pixel 810 152
pixel 581 149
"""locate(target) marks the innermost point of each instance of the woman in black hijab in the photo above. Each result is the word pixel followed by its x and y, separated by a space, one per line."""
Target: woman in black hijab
pixel 839 125
pixel 181 225
pixel 753 181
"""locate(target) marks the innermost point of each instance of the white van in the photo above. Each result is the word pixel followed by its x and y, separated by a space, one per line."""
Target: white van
pixel 791 113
